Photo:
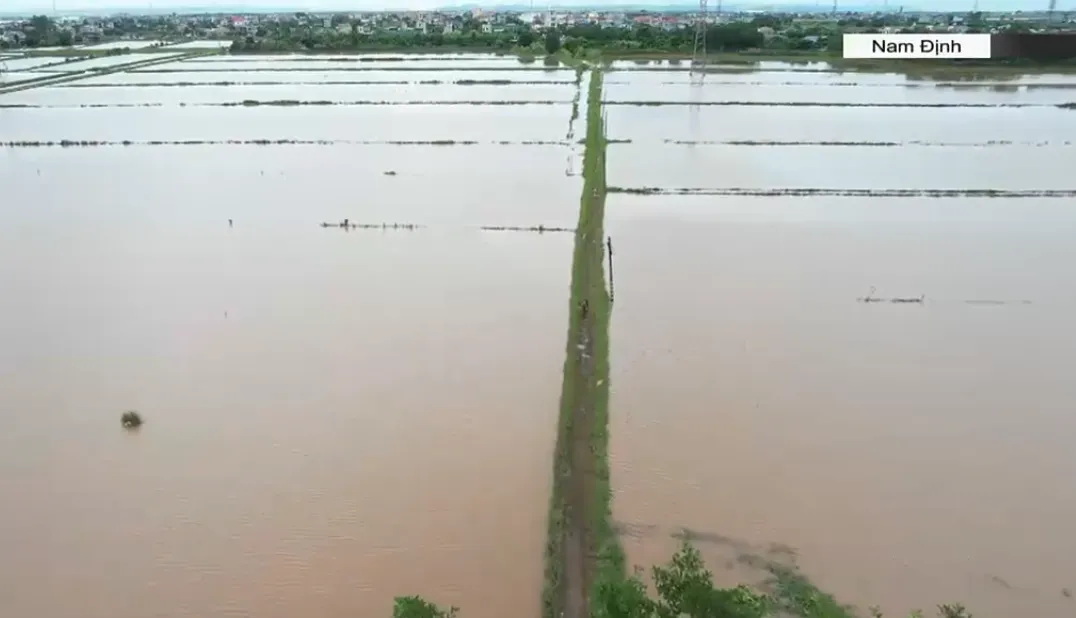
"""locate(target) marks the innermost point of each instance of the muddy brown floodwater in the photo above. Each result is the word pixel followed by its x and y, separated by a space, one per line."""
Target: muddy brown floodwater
pixel 906 455
pixel 331 418
pixel 335 418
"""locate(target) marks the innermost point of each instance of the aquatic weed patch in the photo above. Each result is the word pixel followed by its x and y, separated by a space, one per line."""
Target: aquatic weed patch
pixel 539 229
pixel 347 224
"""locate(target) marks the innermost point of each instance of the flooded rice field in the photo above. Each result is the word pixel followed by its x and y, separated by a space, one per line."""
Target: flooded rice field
pixel 200 45
pixel 16 64
pixel 125 44
pixel 103 62
pixel 324 406
pixel 903 455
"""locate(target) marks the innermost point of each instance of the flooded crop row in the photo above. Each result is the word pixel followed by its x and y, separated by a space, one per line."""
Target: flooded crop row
pixel 730 170
pixel 325 77
pixel 774 143
pixel 731 191
pixel 360 123
pixel 868 124
pixel 269 142
pixel 473 102
pixel 281 103
pixel 104 62
pixel 430 82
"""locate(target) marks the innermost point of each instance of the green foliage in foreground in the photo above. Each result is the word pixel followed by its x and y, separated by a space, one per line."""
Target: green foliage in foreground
pixel 685 589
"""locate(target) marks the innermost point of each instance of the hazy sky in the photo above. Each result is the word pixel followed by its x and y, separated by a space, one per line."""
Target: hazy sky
pixel 134 5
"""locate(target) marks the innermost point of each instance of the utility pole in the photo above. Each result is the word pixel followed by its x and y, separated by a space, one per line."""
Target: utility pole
pixel 698 52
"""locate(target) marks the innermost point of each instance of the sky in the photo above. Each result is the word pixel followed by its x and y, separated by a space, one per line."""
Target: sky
pixel 10 6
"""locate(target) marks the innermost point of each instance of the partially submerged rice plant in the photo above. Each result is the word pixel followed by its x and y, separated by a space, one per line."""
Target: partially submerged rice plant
pixel 540 229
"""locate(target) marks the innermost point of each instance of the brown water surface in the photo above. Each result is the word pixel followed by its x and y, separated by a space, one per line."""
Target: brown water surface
pixel 332 418
pixel 909 454
pixel 335 418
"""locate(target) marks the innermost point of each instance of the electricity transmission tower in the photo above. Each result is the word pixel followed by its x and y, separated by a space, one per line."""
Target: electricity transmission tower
pixel 698 53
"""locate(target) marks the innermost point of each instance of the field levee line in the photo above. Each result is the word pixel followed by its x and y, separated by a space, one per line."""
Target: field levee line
pixel 582 549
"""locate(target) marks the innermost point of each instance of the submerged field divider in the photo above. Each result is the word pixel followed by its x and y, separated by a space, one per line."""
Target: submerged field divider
pixel 424 82
pixel 348 224
pixel 482 102
pixel 834 104
pixel 284 103
pixel 77 74
pixel 873 144
pixel 896 193
pixel 271 142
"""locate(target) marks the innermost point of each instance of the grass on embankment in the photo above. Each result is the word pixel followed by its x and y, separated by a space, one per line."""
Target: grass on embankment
pixel 585 394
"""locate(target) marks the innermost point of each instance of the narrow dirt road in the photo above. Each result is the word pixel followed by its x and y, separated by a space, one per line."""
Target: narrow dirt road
pixel 575 483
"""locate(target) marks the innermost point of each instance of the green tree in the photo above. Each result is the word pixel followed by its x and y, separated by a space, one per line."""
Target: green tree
pixel 552 42
pixel 835 43
pixel 415 607
pixel 526 38
pixel 685 589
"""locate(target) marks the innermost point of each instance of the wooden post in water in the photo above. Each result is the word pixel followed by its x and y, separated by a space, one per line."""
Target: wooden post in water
pixel 609 248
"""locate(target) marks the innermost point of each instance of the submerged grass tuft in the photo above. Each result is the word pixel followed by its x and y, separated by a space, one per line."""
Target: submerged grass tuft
pixel 131 420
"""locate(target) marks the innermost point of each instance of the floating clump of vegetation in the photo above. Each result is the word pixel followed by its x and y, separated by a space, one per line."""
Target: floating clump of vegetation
pixel 540 229
pixel 990 143
pixel 390 173
pixel 348 224
pixel 902 193
pixel 130 420
pixel 271 142
pixel 830 104
pixel 899 300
